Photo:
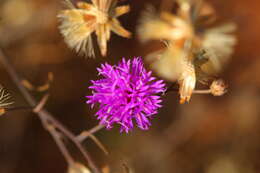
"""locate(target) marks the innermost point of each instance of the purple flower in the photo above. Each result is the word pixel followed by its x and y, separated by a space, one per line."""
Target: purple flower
pixel 126 92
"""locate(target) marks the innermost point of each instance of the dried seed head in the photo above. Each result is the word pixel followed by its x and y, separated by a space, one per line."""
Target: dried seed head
pixel 218 88
pixel 79 23
pixel 181 60
pixel 76 31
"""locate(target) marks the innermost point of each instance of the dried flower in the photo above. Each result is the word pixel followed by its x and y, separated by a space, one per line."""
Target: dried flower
pixel 79 22
pixel 127 91
pixel 218 88
pixel 181 60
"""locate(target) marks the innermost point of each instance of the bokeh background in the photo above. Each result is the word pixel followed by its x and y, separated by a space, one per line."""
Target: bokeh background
pixel 208 135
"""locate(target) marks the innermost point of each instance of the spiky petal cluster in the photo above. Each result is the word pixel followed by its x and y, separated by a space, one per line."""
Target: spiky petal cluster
pixel 126 92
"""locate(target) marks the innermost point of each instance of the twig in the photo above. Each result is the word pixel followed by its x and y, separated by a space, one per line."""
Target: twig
pixel 45 116
pixel 207 91
pixel 41 104
pixel 172 88
pixel 99 144
pixel 51 129
pixel 85 134
pixel 58 140
pixel 16 79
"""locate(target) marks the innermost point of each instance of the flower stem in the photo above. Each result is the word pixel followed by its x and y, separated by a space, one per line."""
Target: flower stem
pixel 47 119
pixel 207 91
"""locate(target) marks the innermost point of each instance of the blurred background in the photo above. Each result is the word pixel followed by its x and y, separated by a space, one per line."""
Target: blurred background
pixel 208 135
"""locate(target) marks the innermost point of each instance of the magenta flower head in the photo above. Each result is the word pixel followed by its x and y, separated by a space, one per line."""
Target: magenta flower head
pixel 126 92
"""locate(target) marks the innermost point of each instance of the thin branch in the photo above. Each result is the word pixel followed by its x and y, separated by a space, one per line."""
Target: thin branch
pixel 58 140
pixel 172 88
pixel 16 79
pixel 54 133
pixel 207 91
pixel 85 134
pixel 41 104
pixel 99 144
pixel 44 115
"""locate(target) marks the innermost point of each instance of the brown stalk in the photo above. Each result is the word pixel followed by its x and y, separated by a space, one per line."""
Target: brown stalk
pixel 47 119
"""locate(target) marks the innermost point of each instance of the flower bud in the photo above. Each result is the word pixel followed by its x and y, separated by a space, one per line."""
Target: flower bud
pixel 218 88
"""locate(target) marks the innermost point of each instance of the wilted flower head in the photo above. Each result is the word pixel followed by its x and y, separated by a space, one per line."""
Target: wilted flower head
pixel 185 39
pixel 126 92
pixel 80 21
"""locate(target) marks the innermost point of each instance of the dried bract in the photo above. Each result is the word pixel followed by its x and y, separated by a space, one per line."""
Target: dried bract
pixel 80 21
pixel 187 82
